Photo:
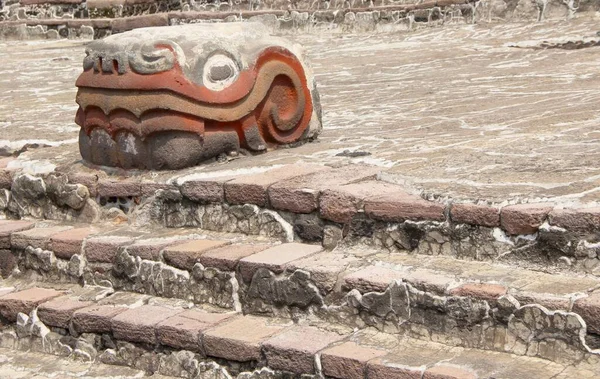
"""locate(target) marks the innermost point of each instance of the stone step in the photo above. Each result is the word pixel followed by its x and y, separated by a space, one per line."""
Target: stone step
pixel 347 205
pixel 176 338
pixel 435 298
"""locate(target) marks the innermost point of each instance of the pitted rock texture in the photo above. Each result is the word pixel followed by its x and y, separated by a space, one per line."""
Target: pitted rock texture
pixel 206 90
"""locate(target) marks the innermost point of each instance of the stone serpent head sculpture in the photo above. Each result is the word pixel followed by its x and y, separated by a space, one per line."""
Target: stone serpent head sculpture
pixel 171 97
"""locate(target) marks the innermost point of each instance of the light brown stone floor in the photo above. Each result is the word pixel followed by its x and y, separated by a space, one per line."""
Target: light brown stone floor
pixel 454 111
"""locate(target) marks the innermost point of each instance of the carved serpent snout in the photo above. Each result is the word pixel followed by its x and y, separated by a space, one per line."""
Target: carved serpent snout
pixel 169 104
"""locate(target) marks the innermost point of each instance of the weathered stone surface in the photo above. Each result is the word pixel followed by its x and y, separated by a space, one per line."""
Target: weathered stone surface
pixel 24 301
pixel 219 109
pixel 443 371
pixel 339 204
pixel 324 268
pixel 186 255
pixel 206 189
pixel 37 238
pixel 275 258
pixel 475 214
pixel 183 331
pixel 294 349
pixel 96 318
pixel 139 324
pixel 119 188
pixel 239 339
pixel 589 309
pixel 150 248
pixel 524 218
pixel 9 227
pixel 252 189
pixel 348 360
pixel 485 291
pixel 372 278
pixel 580 220
pixel 400 207
pixel 104 249
pixel 66 244
pixel 301 194
pixel 8 262
pixel 226 258
pixel 383 368
pixel 58 312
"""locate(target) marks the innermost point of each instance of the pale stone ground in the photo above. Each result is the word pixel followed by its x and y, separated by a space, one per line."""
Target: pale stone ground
pixel 454 111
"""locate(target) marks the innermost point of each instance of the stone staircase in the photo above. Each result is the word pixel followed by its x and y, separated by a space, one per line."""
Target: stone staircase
pixel 192 303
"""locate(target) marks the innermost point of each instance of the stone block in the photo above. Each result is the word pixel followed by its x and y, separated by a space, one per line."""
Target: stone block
pixel 294 349
pixel 401 207
pixel 183 331
pixel 372 278
pixel 70 242
pixel 324 268
pixel 207 189
pixel 381 368
pixel 37 238
pixel 150 248
pixel 524 218
pixel 577 220
pixel 24 301
pixel 58 311
pixel 301 194
pixel 252 189
pixel 339 204
pixel 90 181
pixel 226 258
pixel 119 25
pixel 104 249
pixel 348 360
pixel 185 255
pixel 96 318
pixel 9 227
pixel 589 309
pixel 483 291
pixel 240 339
pixel 473 214
pixel 139 324
pixel 119 188
pixel 276 258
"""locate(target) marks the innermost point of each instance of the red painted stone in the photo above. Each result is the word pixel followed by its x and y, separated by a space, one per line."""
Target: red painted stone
pixel 475 215
pixel 401 207
pixel 524 218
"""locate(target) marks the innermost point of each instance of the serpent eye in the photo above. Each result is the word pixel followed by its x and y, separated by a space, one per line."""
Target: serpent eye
pixel 219 72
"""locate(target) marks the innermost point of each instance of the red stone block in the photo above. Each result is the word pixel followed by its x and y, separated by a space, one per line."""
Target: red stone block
pixel 252 189
pixel 372 278
pixel 58 312
pixel 443 371
pixel 9 227
pixel 104 249
pixel 150 188
pixel 348 360
pixel 24 301
pixel 484 291
pixel 95 319
pixel 68 243
pixel 475 215
pixel 524 218
pixel 139 324
pixel 339 204
pixel 37 238
pixel 183 331
pixel 294 350
pixel 301 194
pixel 578 220
pixel 239 339
pixel 207 189
pixel 119 188
pixel 226 258
pixel 402 207
pixel 150 248
pixel 185 255
pixel 276 258
pixel 589 309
